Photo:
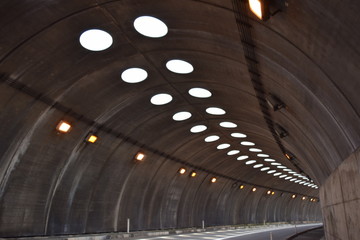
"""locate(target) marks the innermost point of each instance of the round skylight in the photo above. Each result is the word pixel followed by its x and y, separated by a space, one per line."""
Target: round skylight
pixel 179 66
pixel 212 138
pixel 246 143
pixel 228 125
pixel 243 157
pixel 150 26
pixel 223 146
pixel 255 150
pixel 264 169
pixel 269 160
pixel 134 75
pixel 263 155
pixel 95 40
pixel 258 165
pixel 161 99
pixel 275 164
pixel 250 162
pixel 215 111
pixel 181 116
pixel 233 152
pixel 271 171
pixel 198 128
pixel 238 135
pixel 200 92
pixel 277 174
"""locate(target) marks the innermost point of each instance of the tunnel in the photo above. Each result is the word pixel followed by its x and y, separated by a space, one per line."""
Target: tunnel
pixel 173 114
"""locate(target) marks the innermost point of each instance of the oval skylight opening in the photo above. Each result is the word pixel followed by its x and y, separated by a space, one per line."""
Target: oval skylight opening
pixel 282 176
pixel 161 99
pixel 269 160
pixel 181 116
pixel 255 150
pixel 233 152
pixel 212 138
pixel 258 165
pixel 223 146
pixel 150 26
pixel 264 169
pixel 277 174
pixel 243 157
pixel 271 171
pixel 95 40
pixel 263 155
pixel 215 111
pixel 134 75
pixel 287 170
pixel 275 164
pixel 238 135
pixel 287 178
pixel 250 162
pixel 246 143
pixel 228 124
pixel 281 167
pixel 179 66
pixel 292 172
pixel 198 128
pixel 293 179
pixel 200 92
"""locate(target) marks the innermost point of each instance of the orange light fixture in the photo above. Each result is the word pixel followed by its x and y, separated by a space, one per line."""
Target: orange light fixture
pixel 242 187
pixel 193 174
pixel 63 127
pixel 213 180
pixel 140 156
pixel 260 8
pixel 182 170
pixel 272 193
pixel 91 138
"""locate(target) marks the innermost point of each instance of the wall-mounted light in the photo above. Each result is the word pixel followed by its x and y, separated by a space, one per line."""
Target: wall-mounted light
pixel 63 127
pixel 272 193
pixel 303 198
pixel 91 138
pixel 260 8
pixel 193 174
pixel 182 170
pixel 293 196
pixel 274 102
pixel 213 180
pixel 253 189
pixel 268 192
pixel 140 156
pixel 242 186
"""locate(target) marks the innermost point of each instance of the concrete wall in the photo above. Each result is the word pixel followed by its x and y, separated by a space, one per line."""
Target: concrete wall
pixel 340 200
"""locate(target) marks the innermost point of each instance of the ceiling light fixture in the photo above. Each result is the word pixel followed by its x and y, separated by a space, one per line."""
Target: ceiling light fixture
pixel 179 66
pixel 161 99
pixel 260 8
pixel 91 138
pixel 95 40
pixel 215 111
pixel 182 171
pixel 134 75
pixel 150 27
pixel 181 116
pixel 140 156
pixel 193 174
pixel 198 128
pixel 213 180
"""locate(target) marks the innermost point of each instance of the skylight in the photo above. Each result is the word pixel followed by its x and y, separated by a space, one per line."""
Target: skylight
pixel 264 169
pixel 134 75
pixel 198 128
pixel 223 146
pixel 212 138
pixel 215 111
pixel 243 157
pixel 228 125
pixel 179 66
pixel 161 99
pixel 246 143
pixel 255 150
pixel 269 160
pixel 263 155
pixel 233 152
pixel 150 27
pixel 200 92
pixel 258 165
pixel 271 171
pixel 181 116
pixel 250 162
pixel 95 40
pixel 238 135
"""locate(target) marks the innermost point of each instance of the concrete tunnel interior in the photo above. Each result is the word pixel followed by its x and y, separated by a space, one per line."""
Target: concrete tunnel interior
pixel 270 110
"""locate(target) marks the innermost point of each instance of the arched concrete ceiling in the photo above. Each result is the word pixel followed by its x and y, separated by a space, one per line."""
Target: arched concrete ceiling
pixel 307 56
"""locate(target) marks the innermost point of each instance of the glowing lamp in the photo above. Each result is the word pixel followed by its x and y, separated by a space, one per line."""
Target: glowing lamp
pixel 242 186
pixel 182 170
pixel 63 127
pixel 260 8
pixel 193 174
pixel 213 180
pixel 140 156
pixel 254 189
pixel 91 138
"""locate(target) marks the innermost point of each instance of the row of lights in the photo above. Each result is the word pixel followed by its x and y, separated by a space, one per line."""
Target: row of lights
pixel 65 127
pixel 155 28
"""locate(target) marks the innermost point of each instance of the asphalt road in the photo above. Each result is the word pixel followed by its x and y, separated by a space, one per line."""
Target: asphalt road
pixel 258 233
